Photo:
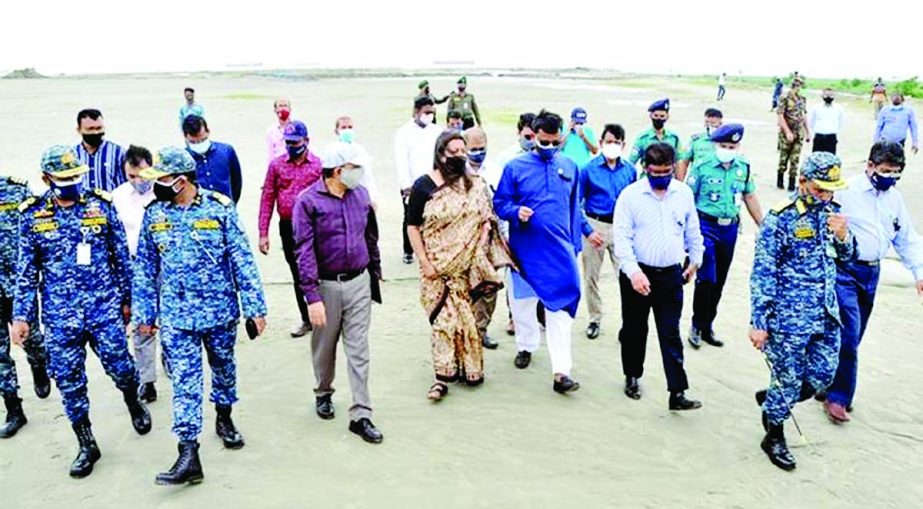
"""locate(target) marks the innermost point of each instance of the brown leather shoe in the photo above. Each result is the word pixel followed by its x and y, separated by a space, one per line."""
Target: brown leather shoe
pixel 836 412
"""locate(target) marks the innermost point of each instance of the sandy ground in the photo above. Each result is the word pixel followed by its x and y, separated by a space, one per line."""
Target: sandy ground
pixel 512 442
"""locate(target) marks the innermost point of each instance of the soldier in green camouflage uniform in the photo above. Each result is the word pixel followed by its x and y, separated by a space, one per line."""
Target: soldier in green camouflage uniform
pixel 463 102
pixel 793 132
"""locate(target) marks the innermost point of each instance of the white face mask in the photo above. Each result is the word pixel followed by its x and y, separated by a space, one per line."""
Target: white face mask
pixel 612 151
pixel 427 118
pixel 201 147
pixel 725 155
pixel 352 177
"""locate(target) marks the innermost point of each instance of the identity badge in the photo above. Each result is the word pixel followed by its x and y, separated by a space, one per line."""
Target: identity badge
pixel 83 253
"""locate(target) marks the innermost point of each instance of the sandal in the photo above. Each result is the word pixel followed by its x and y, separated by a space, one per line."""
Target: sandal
pixel 437 391
pixel 474 382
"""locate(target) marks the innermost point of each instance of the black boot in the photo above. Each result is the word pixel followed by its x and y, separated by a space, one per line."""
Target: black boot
pixel 774 446
pixel 140 417
pixel 791 181
pixel 187 469
pixel 15 418
pixel 780 177
pixel 89 451
pixel 148 392
pixel 225 429
pixel 40 381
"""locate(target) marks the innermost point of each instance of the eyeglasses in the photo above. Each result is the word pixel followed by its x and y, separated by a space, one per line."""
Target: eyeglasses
pixel 528 137
pixel 548 144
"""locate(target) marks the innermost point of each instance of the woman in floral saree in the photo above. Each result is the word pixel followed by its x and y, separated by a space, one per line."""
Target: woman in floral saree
pixel 451 225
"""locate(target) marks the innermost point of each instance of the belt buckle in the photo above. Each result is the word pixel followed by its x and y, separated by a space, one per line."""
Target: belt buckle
pixel 725 221
pixel 341 276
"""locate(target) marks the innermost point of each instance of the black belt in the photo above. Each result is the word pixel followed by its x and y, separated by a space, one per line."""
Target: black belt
pixel 720 221
pixel 867 264
pixel 342 277
pixel 658 270
pixel 599 217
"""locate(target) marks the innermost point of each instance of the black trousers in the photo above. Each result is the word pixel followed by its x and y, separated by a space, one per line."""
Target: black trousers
pixel 666 300
pixel 824 143
pixel 287 234
pixel 408 249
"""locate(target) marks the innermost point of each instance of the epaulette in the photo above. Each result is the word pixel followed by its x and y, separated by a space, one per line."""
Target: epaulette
pixel 102 195
pixel 30 201
pixel 220 198
pixel 782 205
pixel 17 181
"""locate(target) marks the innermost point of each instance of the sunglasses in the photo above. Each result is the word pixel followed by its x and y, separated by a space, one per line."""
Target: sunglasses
pixel 549 144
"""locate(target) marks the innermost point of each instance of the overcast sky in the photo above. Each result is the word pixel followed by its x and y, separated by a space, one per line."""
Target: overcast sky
pixel 821 39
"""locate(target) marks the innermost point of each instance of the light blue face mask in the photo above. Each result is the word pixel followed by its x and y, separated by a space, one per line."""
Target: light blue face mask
pixel 347 135
pixel 142 187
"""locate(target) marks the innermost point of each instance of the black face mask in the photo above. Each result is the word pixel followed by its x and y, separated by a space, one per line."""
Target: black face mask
pixel 456 165
pixel 658 123
pixel 828 100
pixel 165 192
pixel 93 140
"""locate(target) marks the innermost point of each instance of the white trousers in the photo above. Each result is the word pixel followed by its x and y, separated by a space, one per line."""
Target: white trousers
pixel 558 326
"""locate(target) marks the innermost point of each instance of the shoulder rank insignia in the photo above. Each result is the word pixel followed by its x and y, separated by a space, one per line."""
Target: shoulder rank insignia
pixel 103 195
pixel 220 198
pixel 28 203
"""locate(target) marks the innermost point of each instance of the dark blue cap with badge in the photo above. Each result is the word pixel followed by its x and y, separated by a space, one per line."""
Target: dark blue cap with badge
pixel 661 105
pixel 578 115
pixel 295 131
pixel 728 133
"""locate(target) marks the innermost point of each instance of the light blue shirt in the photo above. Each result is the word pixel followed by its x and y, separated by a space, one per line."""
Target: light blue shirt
pixel 893 123
pixel 575 148
pixel 190 109
pixel 656 231
pixel 879 220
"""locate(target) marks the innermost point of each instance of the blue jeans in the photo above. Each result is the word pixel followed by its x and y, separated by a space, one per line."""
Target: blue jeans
pixel 855 290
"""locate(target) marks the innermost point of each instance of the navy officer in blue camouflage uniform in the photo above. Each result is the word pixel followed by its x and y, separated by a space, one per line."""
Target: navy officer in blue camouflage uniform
pixel 14 192
pixel 795 316
pixel 722 183
pixel 192 266
pixel 72 241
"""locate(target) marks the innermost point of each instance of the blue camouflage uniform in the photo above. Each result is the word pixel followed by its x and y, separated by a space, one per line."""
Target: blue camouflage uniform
pixel 719 191
pixel 13 192
pixel 77 258
pixel 793 290
pixel 192 265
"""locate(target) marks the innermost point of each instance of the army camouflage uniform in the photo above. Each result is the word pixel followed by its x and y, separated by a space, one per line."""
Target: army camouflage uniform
pixel 465 105
pixel 793 107
pixel 13 192
pixel 80 255
pixel 793 297
pixel 192 265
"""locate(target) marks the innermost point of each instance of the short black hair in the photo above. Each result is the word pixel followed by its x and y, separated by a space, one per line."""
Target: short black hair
pixel 659 154
pixel 193 124
pixel 135 155
pixel 90 113
pixel 548 122
pixel 616 129
pixel 422 101
pixel 525 120
pixel 887 152
pixel 188 89
pixel 454 114
pixel 713 113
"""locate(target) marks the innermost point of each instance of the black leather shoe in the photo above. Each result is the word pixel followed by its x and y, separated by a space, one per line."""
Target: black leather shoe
pixel 187 469
pixel 88 454
pixel 40 381
pixel 565 384
pixel 365 429
pixel 632 387
pixel 225 428
pixel 148 393
pixel 488 343
pixel 592 330
pixel 712 339
pixel 760 397
pixel 140 417
pixel 679 402
pixel 523 359
pixel 407 259
pixel 774 446
pixel 15 418
pixel 324 407
pixel 820 396
pixel 695 338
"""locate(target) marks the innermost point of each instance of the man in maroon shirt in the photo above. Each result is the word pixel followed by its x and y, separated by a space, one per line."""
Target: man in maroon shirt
pixel 336 238
pixel 287 176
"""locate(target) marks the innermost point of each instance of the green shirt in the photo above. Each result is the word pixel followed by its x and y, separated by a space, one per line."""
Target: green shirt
pixel 648 138
pixel 700 148
pixel 465 105
pixel 719 191
pixel 575 149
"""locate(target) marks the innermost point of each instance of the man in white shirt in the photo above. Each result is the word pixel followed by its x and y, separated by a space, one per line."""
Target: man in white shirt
pixel 655 228
pixel 345 133
pixel 130 199
pixel 414 145
pixel 275 139
pixel 878 218
pixel 826 121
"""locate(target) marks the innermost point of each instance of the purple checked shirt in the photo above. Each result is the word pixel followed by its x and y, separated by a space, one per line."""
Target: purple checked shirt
pixel 333 235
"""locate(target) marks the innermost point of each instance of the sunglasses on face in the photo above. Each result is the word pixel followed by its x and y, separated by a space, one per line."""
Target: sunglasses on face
pixel 549 144
pixel 528 137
